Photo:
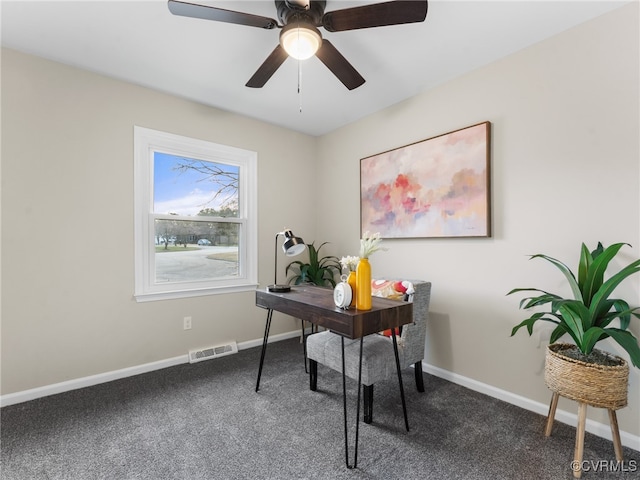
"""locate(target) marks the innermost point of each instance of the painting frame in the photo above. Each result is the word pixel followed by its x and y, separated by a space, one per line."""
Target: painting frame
pixel 439 187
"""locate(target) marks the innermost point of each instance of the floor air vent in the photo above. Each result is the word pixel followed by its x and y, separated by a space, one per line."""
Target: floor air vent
pixel 212 352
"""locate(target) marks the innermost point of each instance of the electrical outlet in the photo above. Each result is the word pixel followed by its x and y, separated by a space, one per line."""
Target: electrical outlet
pixel 186 323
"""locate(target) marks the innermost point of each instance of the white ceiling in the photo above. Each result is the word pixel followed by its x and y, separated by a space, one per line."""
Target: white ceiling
pixel 210 62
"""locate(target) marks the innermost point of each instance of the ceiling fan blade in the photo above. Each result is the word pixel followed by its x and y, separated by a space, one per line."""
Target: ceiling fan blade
pixel 268 68
pixel 220 15
pixel 340 66
pixel 376 15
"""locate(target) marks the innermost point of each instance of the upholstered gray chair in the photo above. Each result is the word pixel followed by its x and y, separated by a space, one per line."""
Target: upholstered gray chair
pixel 378 362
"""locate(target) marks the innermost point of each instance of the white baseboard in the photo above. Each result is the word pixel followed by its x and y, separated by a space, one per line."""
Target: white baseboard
pixel 34 393
pixel 597 428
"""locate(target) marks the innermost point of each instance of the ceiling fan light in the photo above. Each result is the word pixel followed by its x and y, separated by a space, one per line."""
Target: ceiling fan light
pixel 300 41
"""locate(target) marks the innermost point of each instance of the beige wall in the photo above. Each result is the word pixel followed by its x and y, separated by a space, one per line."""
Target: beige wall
pixel 67 224
pixel 565 170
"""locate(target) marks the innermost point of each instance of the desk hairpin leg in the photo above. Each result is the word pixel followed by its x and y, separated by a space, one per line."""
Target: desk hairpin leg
pixel 344 399
pixel 395 351
pixel 304 347
pixel 264 345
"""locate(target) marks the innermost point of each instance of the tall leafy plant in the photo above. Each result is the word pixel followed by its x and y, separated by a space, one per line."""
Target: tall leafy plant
pixel 319 270
pixel 587 317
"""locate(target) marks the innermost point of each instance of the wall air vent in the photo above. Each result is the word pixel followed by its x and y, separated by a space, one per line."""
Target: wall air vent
pixel 212 352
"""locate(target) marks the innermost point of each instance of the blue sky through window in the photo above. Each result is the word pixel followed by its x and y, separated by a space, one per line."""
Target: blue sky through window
pixel 185 192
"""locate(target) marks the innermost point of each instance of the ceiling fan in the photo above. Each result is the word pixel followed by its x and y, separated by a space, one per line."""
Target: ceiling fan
pixel 300 37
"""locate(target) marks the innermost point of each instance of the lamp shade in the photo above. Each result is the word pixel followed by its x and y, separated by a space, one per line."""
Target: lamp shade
pixel 300 40
pixel 292 246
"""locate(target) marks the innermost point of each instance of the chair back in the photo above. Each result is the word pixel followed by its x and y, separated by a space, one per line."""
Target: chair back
pixel 414 335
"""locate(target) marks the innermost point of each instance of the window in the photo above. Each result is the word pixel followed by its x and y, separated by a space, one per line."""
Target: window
pixel 195 217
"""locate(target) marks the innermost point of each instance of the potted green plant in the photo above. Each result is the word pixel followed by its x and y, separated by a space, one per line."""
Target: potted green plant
pixel 587 317
pixel 579 371
pixel 319 270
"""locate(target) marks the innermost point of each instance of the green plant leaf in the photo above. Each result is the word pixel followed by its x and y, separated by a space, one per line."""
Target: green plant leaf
pixel 598 250
pixel 571 314
pixel 585 261
pixel 566 271
pixel 543 299
pixel 627 341
pixel 603 320
pixel 577 310
pixel 529 322
pixel 516 290
pixel 313 253
pixel 558 332
pixel 595 274
pixel 529 302
pixel 621 310
pixel 292 264
pixel 591 337
pixel 599 305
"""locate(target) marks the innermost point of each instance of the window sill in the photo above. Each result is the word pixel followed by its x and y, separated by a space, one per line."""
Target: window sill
pixel 152 297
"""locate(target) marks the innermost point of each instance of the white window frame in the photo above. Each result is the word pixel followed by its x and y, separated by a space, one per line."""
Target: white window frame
pixel 146 142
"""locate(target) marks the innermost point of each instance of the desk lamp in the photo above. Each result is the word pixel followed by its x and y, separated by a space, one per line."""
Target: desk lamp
pixel 291 247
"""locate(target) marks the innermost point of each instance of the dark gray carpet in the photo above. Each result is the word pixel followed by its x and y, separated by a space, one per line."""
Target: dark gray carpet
pixel 205 421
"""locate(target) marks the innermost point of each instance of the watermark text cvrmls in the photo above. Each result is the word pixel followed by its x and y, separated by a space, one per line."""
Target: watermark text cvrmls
pixel 605 466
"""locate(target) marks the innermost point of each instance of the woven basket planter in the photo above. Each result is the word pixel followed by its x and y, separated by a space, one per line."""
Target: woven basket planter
pixel 596 385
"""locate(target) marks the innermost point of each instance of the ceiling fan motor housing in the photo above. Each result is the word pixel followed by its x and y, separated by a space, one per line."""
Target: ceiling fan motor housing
pixel 290 11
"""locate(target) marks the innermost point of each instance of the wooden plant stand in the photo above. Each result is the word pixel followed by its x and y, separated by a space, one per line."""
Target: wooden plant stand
pixel 582 419
pixel 588 384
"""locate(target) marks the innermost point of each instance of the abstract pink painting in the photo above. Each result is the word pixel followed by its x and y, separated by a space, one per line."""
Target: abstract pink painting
pixel 438 187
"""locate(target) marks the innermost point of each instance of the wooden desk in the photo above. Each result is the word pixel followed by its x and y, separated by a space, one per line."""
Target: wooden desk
pixel 315 305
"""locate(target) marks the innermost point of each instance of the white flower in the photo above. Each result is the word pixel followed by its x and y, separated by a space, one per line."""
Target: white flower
pixel 369 244
pixel 349 262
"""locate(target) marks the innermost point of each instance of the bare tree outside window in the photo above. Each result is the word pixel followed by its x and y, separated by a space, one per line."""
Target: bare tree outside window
pixel 226 193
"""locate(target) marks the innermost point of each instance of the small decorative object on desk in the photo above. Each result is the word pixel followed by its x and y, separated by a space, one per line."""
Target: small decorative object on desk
pixel 369 244
pixel 350 263
pixel 342 294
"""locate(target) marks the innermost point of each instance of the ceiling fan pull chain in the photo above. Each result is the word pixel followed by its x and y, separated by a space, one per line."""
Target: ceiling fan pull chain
pixel 299 77
pixel 300 85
